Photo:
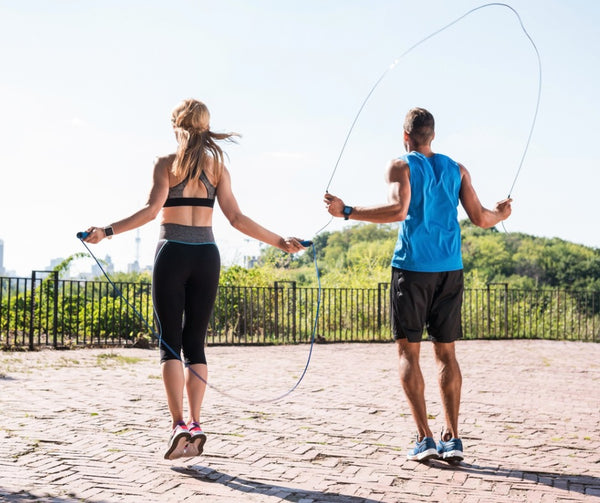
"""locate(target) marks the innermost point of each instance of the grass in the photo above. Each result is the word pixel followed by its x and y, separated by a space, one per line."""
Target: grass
pixel 115 358
pixel 122 431
pixel 63 362
pixel 9 364
pixel 258 415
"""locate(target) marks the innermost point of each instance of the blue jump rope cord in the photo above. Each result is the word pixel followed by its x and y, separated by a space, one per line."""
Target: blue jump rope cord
pixel 410 49
pixel 82 235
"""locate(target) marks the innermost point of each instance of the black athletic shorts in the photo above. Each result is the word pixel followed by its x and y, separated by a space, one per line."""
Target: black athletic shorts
pixel 426 300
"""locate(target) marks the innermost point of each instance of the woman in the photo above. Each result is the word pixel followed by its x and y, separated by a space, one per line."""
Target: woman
pixel 187 262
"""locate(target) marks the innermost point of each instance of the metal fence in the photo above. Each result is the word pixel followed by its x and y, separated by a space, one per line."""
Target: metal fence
pixel 46 311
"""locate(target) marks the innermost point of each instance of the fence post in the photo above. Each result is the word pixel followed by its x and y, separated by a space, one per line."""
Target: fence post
pixel 276 327
pixel 55 320
pixel 54 308
pixel 506 310
pixel 489 317
pixel 31 310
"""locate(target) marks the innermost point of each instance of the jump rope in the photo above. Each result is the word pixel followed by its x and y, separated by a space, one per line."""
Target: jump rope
pixel 82 235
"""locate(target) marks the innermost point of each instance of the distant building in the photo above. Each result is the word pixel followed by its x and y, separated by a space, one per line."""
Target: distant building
pixel 133 267
pixel 54 262
pixel 107 265
pixel 250 261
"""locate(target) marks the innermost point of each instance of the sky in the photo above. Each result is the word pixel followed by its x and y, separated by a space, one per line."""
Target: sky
pixel 87 88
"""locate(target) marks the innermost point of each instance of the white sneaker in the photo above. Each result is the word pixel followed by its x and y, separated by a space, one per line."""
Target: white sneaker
pixel 178 442
pixel 197 440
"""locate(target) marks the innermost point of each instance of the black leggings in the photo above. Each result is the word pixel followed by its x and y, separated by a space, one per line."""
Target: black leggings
pixel 184 289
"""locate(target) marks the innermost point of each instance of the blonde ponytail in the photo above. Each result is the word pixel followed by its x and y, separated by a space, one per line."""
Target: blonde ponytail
pixel 197 143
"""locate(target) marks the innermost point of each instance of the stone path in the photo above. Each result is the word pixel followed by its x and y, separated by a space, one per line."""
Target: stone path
pixel 91 425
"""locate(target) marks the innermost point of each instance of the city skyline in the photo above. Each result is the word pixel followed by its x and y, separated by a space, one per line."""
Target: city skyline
pixel 90 268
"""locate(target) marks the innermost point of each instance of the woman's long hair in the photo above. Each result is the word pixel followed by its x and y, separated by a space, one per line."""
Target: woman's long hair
pixel 197 143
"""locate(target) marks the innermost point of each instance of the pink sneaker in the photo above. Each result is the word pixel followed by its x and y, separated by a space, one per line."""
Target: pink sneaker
pixel 178 441
pixel 197 439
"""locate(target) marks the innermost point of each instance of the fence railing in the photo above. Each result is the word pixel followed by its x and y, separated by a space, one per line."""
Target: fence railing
pixel 46 311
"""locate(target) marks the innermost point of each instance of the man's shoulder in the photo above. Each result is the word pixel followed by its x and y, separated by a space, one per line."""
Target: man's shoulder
pixel 399 161
pixel 446 157
pixel 397 166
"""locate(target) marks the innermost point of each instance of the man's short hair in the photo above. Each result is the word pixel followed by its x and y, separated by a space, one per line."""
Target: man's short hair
pixel 419 125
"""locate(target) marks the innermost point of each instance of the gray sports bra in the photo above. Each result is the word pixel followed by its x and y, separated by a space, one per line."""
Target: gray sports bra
pixel 176 197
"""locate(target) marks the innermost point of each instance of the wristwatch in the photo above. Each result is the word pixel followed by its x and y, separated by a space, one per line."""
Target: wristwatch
pixel 346 211
pixel 108 231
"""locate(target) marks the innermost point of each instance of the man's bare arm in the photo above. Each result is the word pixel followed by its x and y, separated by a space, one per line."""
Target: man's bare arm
pixel 477 213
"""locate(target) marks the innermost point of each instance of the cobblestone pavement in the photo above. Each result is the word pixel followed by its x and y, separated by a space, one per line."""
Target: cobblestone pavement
pixel 92 425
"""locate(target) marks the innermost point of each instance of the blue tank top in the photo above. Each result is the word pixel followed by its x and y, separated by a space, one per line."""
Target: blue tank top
pixel 429 237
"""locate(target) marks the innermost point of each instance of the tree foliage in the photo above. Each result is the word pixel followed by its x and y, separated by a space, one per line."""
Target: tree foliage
pixel 360 255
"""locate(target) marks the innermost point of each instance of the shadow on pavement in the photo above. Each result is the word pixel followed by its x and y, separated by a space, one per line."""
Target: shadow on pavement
pixel 251 486
pixel 25 496
pixel 567 482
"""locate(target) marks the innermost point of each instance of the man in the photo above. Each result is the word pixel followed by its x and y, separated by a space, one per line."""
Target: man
pixel 424 190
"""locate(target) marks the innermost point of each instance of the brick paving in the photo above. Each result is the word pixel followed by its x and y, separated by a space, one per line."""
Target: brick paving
pixel 91 425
